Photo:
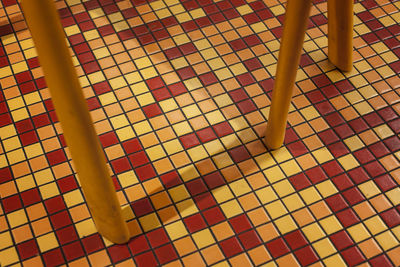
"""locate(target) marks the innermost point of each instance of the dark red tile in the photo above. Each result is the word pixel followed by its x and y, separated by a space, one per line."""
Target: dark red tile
pixel 53 257
pixel 347 217
pixel 12 203
pixel 92 243
pixel 239 154
pixel 358 175
pixel 306 256
pixel 222 129
pixel 67 235
pixel 299 181
pixel 342 182
pixel 27 249
pixel 336 203
pixel 213 216
pixel 381 261
pixel 231 247
pixel 108 139
pixel 214 179
pixel 385 182
pixel 240 223
pixel 332 168
pixel 353 196
pixel 138 244
pixel 295 239
pixel 145 172
pixel 189 140
pixel 316 175
pixel 120 165
pixel 73 251
pixel 196 187
pixel 352 256
pixel 195 223
pixel 54 204
pixel 363 155
pixel 30 197
pixel 60 220
pixel 166 254
pixel 341 240
pixel 118 253
pixel 171 179
pixel 56 157
pixel 138 159
pixel 206 135
pixel 249 239
pixel 391 217
pixel 29 138
pixel 142 207
pixel 146 260
pixel 132 145
pixel 277 247
pixel 204 201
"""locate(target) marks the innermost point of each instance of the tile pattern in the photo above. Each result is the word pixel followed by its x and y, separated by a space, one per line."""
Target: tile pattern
pixel 179 92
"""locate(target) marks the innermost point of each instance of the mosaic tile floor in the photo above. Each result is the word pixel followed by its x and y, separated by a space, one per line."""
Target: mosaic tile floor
pixel 179 92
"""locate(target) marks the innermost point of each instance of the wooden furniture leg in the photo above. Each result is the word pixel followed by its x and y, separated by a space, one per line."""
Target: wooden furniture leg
pixel 295 25
pixel 71 109
pixel 340 33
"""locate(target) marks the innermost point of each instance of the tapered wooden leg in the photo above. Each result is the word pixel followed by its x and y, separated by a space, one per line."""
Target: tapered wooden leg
pixel 72 111
pixel 340 33
pixel 295 25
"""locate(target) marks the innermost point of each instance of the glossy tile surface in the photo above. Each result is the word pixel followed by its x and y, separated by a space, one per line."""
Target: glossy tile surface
pixel 179 92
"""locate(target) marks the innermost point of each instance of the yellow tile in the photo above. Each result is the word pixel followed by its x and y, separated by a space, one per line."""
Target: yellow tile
pixel 383 131
pixel 188 173
pixel 117 83
pixel 15 103
pixel 358 232
pixel 135 80
pixel 369 189
pixel 209 53
pixel 25 183
pixel 101 53
pixel 187 208
pixel 276 209
pixel 181 38
pixel 230 141
pixel 179 63
pixel 310 195
pixel 223 74
pixel 309 113
pixel 73 198
pixel 9 256
pixel 354 143
pixel 3 161
pixel 330 224
pixel 313 232
pixel 203 238
pixel 324 248
pixel 244 10
pixel 20 114
pixel 265 161
pixel 5 240
pixel 43 176
pixel 386 240
pixel 285 224
pixel 125 133
pixel 85 228
pixel 15 156
pixel 283 188
pixel 149 222
pixel 197 13
pixel 49 190
pixel 33 150
pixel 155 152
pixel 5 71
pixel 231 208
pixel 7 131
pixel 127 179
pixel 238 69
pixel 290 167
pixel 197 153
pixel 32 98
pixel 173 146
pixel 335 260
pixel 178 193
pixel 216 63
pixel 293 202
pixel 222 160
pixel 375 225
pixel 326 188
pixel 363 108
pixel 11 144
pixel 215 117
pixel 192 84
pixel 214 147
pixel 182 128
pixel 183 17
pixel 176 230
pixel 258 27
pixel 240 187
pixel 168 105
pixel 281 155
pixel 266 195
pixel 145 99
pixel 191 111
pixel 394 196
pixel 142 127
pixel 222 194
pixel 47 242
pixel 274 174
pixel 71 30
pixel 322 155
pixel 107 98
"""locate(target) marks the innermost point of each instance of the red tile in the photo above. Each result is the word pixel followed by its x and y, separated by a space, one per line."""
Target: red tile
pixel 344 86
pixel 240 223
pixel 363 155
pixel 239 154
pixel 146 260
pixel 353 196
pixel 28 138
pixel 92 243
pixel 332 168
pixel 138 158
pixel 381 261
pixel 347 217
pixel 12 203
pixel 145 172
pixel 306 256
pixel 385 182
pixel 379 149
pixel 30 197
pixel 196 187
pixel 341 240
pixel 138 244
pixel 246 106
pixel 342 182
pixel 299 181
pixel 213 216
pixel 277 247
pixel 53 257
pixel 336 203
pixel 60 220
pixel 338 149
pixel 195 223
pixel 393 143
pixel 316 175
pixel 352 256
pixel 108 139
pixel 231 247
pixel 189 140
pixel 343 131
pixel 142 207
pixel 23 77
pixel 208 78
pixel 5 119
pixel 249 239
pixel 27 249
pixel 297 148
pixel 41 120
pixel 177 88
pixel 358 175
pixel 155 83
pixel 120 165
pixel 73 251
pixel 166 254
pixel 101 88
pixel 54 204
pixel 374 169
pixel 222 129
pixel 66 235
pixel 118 253
pixel 56 157
pixel 204 201
pixel 214 180
pixel 132 145
pixel 171 179
pixel 391 217
pixel 295 239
